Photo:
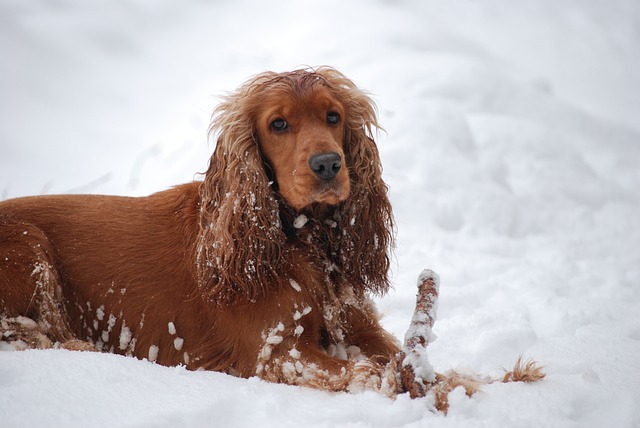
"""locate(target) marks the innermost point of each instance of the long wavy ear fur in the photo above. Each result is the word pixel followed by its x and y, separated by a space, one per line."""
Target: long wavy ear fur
pixel 241 238
pixel 362 249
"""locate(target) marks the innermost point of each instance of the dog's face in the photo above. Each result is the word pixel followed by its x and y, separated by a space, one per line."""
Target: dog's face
pixel 301 137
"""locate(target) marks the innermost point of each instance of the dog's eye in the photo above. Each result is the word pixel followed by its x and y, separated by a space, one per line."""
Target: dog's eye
pixel 279 125
pixel 333 118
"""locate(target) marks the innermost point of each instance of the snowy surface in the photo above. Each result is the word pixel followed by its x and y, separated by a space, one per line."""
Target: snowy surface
pixel 512 148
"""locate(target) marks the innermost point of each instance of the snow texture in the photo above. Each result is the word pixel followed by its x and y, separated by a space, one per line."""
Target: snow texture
pixel 295 285
pixel 300 221
pixel 511 149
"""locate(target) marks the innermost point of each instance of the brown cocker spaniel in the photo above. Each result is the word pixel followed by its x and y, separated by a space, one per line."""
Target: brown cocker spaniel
pixel 264 269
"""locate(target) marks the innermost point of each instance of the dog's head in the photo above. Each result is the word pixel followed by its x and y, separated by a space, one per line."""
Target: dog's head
pixel 300 141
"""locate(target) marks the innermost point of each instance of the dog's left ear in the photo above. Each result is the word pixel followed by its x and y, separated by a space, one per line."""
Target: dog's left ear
pixel 241 238
pixel 366 217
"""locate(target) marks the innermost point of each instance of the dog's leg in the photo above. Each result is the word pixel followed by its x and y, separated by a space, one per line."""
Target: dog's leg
pixel 310 367
pixel 30 285
pixel 287 358
pixel 362 328
pixel 376 362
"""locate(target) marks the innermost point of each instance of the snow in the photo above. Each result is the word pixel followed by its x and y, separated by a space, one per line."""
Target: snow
pixel 153 353
pixel 511 148
pixel 300 221
pixel 295 285
pixel 125 337
pixel 177 343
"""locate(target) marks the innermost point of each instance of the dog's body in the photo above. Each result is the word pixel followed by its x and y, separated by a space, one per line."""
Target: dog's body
pixel 128 284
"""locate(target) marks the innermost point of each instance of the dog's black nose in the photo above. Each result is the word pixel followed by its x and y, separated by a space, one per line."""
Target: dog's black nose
pixel 326 165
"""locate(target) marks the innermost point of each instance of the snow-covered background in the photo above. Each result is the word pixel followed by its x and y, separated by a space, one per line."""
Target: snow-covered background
pixel 512 149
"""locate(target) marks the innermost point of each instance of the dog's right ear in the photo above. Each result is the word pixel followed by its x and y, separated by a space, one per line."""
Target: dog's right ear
pixel 241 238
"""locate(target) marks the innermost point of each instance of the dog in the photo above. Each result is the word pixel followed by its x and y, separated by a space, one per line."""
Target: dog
pixel 264 268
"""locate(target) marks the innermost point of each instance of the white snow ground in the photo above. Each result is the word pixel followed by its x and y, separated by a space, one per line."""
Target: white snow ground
pixel 512 152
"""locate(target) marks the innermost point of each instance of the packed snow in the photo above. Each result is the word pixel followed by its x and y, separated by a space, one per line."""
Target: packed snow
pixel 511 148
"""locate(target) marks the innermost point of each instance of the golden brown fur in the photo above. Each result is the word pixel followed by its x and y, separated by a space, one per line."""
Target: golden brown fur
pixel 223 274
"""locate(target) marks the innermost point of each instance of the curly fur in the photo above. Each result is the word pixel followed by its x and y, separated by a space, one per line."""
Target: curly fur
pixel 239 199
